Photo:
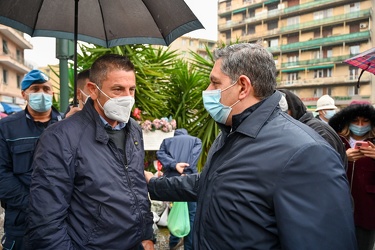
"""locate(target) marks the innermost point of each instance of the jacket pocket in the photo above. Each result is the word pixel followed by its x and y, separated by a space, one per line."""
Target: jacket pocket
pixel 22 158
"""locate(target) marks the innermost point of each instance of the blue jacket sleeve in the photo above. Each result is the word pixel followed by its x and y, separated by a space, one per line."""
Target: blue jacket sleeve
pixel 52 179
pixel 312 202
pixel 176 188
pixel 195 153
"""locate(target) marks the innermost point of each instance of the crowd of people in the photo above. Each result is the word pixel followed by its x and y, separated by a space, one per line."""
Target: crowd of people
pixel 276 177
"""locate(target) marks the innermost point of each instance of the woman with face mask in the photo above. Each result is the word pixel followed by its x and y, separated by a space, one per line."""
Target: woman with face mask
pixel 355 124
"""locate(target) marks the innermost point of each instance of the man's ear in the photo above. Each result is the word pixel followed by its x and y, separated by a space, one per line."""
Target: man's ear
pixel 24 96
pixel 93 91
pixel 246 87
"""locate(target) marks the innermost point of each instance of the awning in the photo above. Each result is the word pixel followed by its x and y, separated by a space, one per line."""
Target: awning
pixel 292 70
pixel 10 108
pixel 327 66
pixel 239 10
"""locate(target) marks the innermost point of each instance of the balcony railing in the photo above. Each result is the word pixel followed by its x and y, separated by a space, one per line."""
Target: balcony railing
pixel 335 59
pixel 323 81
pixel 335 39
pixel 329 20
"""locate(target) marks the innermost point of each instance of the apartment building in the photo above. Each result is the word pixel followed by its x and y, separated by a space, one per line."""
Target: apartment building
pixel 309 40
pixel 13 67
pixel 184 44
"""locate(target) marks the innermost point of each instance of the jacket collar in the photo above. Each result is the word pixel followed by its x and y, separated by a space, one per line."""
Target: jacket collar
pixel 255 120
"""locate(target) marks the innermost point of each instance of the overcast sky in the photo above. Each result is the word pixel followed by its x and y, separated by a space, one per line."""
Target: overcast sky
pixel 43 52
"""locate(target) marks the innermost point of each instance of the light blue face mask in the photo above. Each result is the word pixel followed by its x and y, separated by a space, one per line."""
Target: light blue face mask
pixel 359 130
pixel 40 102
pixel 211 102
pixel 329 113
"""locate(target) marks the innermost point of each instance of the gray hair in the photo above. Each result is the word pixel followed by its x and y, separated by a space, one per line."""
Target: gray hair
pixel 253 61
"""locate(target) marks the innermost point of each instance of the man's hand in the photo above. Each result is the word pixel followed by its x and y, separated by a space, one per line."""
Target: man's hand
pixel 181 166
pixel 72 111
pixel 148 245
pixel 148 176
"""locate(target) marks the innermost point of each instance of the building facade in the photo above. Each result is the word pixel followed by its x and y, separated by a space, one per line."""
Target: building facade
pixel 309 40
pixel 184 44
pixel 13 66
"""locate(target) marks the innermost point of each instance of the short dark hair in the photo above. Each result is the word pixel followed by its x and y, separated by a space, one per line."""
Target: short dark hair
pixel 82 77
pixel 107 63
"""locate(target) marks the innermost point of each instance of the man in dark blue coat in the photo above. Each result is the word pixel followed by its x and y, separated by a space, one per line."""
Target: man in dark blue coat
pixel 18 135
pixel 270 181
pixel 179 155
pixel 88 189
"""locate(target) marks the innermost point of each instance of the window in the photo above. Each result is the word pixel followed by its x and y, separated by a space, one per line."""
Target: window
pixel 323 14
pixel 352 90
pixel 327 53
pixel 293 20
pixel 321 73
pixel 272 6
pixel 354 50
pixel 293 58
pixel 292 77
pixel 19 81
pixel 228 3
pixel 251 29
pixel 274 42
pixel 19 55
pixel 353 73
pixel 5 47
pixel 316 54
pixel 293 38
pixel 272 24
pixel 5 77
pixel 354 7
pixel 318 92
pixel 251 13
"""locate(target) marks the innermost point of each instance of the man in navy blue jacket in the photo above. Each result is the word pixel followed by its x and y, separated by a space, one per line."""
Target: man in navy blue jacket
pixel 18 135
pixel 179 155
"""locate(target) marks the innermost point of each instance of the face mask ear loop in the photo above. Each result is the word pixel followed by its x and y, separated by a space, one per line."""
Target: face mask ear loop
pixel 235 103
pixel 102 92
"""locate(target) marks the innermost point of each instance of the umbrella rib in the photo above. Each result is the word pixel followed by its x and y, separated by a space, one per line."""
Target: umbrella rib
pixel 105 31
pixel 37 17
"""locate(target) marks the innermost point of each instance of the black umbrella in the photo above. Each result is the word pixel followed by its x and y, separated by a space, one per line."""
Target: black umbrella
pixel 106 23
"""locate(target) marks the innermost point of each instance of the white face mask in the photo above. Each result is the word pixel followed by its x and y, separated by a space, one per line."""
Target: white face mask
pixel 117 109
pixel 84 94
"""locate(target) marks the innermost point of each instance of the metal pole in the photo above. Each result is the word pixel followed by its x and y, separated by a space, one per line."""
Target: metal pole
pixel 62 55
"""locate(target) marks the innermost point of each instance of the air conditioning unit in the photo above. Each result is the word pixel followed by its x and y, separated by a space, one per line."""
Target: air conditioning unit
pixel 363 25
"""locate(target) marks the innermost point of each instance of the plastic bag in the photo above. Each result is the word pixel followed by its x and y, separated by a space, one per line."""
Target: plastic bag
pixel 178 219
pixel 163 221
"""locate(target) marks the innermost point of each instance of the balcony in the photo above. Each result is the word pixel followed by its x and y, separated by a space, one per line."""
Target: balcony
pixel 316 82
pixel 12 62
pixel 307 63
pixel 15 36
pixel 327 41
pixel 328 21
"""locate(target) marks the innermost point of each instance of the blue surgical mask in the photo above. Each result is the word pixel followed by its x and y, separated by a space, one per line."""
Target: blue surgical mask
pixel 329 113
pixel 359 130
pixel 211 102
pixel 40 102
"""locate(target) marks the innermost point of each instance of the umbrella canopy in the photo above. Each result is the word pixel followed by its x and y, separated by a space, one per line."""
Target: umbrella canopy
pixel 364 61
pixel 106 23
pixel 10 108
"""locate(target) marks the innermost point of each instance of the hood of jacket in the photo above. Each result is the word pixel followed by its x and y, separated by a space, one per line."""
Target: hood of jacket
pixel 348 114
pixel 180 131
pixel 295 105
